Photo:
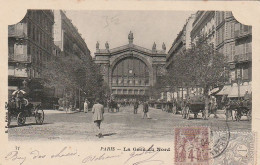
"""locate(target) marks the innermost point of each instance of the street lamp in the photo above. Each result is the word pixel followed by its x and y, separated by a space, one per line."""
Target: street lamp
pixel 238 85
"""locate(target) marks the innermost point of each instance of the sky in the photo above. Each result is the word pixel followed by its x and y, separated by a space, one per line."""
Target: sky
pixel 114 26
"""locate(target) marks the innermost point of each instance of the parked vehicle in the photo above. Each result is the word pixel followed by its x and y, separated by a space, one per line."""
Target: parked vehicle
pixel 27 109
pixel 194 105
pixel 240 108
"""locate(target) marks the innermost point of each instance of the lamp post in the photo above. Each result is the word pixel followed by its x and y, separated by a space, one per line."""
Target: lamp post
pixel 238 85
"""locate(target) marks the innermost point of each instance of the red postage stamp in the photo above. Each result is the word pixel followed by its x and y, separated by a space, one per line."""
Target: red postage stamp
pixel 192 146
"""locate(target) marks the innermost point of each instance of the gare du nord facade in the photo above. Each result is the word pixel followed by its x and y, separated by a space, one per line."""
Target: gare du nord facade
pixel 130 70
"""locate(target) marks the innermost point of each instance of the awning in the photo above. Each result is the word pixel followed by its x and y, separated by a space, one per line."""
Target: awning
pixel 225 90
pixel 242 90
pixel 12 88
pixel 214 90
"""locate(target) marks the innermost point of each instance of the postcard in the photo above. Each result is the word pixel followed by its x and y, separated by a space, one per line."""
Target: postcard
pixel 129 82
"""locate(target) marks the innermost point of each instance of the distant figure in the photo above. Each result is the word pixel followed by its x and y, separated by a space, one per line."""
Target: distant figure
pixel 86 106
pixel 98 111
pixel 213 107
pixel 146 109
pixel 136 104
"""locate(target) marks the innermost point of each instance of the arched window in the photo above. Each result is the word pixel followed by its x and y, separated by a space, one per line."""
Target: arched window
pixel 129 71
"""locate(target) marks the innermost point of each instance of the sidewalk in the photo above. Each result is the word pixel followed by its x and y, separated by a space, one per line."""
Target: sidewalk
pixel 52 111
pixel 220 113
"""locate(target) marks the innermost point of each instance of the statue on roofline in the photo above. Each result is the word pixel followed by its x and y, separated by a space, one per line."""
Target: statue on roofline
pixel 131 37
pixel 107 45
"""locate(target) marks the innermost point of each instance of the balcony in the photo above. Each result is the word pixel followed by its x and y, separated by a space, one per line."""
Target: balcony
pixel 18 30
pixel 243 57
pixel 24 58
pixel 18 71
pixel 243 32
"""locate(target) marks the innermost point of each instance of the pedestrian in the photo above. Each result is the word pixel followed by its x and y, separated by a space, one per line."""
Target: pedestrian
pixel 98 111
pixel 136 104
pixel 146 110
pixel 86 106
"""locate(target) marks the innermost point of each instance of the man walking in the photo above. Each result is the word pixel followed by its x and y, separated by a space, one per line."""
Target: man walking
pixel 136 104
pixel 146 109
pixel 98 111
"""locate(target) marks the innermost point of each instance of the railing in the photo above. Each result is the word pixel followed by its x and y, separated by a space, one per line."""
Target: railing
pixel 19 58
pixel 243 57
pixel 242 33
pixel 17 30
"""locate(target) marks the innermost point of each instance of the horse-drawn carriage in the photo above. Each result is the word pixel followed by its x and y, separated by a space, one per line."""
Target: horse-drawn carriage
pixel 193 105
pixel 238 108
pixel 26 109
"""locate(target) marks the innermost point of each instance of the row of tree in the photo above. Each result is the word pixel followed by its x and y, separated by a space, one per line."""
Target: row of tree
pixel 73 74
pixel 200 66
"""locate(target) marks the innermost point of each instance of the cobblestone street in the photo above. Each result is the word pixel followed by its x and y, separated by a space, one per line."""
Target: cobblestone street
pixel 123 125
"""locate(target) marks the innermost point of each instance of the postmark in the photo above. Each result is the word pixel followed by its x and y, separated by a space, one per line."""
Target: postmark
pixel 200 145
pixel 240 150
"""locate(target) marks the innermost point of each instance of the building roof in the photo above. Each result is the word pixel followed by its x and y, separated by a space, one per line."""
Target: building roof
pixel 130 47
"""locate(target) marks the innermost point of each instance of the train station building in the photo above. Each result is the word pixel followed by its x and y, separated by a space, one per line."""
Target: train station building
pixel 130 69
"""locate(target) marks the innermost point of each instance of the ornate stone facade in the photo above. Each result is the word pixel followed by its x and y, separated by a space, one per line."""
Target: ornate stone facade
pixel 130 69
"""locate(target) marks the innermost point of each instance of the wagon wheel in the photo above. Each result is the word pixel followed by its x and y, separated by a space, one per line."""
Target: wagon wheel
pixel 21 118
pixel 174 110
pixel 39 116
pixel 188 112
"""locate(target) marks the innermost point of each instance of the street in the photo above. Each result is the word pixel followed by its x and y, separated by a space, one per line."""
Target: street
pixel 123 125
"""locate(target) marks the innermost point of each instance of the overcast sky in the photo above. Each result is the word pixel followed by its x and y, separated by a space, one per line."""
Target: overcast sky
pixel 114 26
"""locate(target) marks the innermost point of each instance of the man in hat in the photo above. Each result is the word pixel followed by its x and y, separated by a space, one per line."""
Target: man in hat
pixel 18 95
pixel 145 110
pixel 98 111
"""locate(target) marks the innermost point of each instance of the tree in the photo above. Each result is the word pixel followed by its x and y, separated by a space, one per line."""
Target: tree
pixel 71 73
pixel 201 66
pixel 159 87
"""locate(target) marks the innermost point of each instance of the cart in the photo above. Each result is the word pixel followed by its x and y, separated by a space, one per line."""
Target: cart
pixel 194 105
pixel 193 108
pixel 27 109
pixel 240 108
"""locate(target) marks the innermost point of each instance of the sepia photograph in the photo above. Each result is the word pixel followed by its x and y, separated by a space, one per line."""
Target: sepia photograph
pixel 182 78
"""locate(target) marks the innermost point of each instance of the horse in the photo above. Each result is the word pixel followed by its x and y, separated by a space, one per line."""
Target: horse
pixel 113 105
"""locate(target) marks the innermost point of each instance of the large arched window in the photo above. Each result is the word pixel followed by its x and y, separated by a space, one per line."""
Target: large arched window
pixel 130 71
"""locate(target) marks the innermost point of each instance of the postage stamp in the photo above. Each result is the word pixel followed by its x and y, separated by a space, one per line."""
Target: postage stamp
pixel 199 145
pixel 192 145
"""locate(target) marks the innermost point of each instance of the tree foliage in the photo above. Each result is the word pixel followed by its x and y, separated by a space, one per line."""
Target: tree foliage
pixel 200 66
pixel 155 90
pixel 71 72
